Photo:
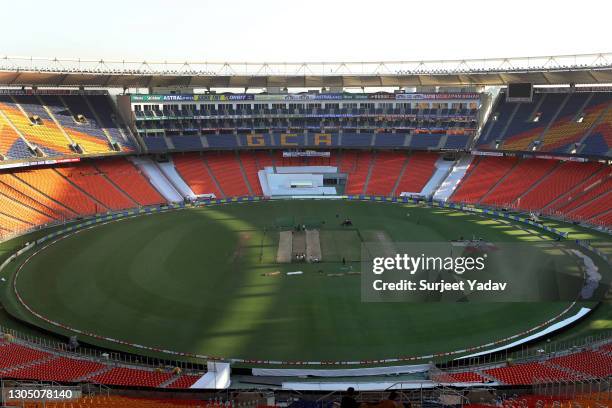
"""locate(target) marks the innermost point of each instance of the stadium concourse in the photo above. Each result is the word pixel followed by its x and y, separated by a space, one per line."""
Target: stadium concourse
pixel 67 155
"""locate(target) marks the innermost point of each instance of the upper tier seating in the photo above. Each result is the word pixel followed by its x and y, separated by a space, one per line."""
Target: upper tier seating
pixel 45 133
pixel 56 124
pixel 569 130
pixel 553 122
pixel 109 121
pixel 88 133
pixel 600 139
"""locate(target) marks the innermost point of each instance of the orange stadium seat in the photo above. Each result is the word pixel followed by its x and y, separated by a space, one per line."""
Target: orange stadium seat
pixel 419 169
pixel 90 180
pixel 49 182
pixel 226 171
pixel 57 369
pixel 32 196
pixel 524 175
pixel 357 166
pixel 484 175
pixel 130 180
pixel 249 163
pixel 131 376
pixel 386 170
pixel 192 169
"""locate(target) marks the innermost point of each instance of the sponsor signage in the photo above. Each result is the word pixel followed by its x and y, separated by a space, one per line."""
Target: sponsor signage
pixel 306 153
pixel 304 97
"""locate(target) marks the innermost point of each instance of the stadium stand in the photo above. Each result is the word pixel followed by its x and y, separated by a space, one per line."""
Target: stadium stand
pixel 600 138
pixel 184 381
pixel 49 182
pixel 28 195
pixel 572 190
pixel 524 175
pixel 12 146
pixel 21 361
pixel 86 132
pixel 592 363
pixel 465 377
pixel 12 207
pixel 132 376
pixel 101 106
pixel 385 172
pixel 554 122
pixel 357 165
pixel 195 172
pixel 419 169
pixel 15 355
pixel 57 369
pixel 42 133
pixel 483 177
pixel 60 125
pixel 91 181
pixel 249 164
pixel 225 169
pixel 123 174
pixel 524 374
pixel 554 188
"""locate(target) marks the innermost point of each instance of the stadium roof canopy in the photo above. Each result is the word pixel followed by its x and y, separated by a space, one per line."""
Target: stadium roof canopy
pixel 544 70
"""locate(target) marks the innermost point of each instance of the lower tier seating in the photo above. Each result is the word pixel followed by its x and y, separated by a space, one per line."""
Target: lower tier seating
pixel 130 180
pixel 590 363
pixel 385 172
pixel 195 173
pixel 131 376
pixel 226 170
pixel 57 369
pixel 485 174
pixel 524 374
pixel 357 166
pixel 419 169
pixel 574 190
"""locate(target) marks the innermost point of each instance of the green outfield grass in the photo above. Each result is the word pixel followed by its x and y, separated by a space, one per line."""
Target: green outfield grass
pixel 194 281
